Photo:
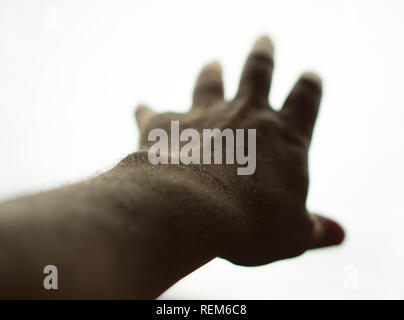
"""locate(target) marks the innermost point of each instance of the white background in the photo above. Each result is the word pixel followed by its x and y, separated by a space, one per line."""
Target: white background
pixel 71 73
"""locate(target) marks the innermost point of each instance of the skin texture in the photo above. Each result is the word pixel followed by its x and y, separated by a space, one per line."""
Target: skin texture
pixel 135 230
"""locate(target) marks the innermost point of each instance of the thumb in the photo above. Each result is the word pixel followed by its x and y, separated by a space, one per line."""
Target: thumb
pixel 326 232
pixel 143 115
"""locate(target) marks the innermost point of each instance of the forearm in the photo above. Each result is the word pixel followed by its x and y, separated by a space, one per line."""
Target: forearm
pixel 128 233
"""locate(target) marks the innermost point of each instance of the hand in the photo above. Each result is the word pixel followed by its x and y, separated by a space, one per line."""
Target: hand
pixel 270 221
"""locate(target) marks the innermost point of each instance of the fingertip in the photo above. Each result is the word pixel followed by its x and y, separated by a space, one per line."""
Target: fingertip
pixel 335 234
pixel 312 77
pixel 209 85
pixel 256 77
pixel 264 45
pixel 139 110
pixel 214 66
pixel 142 113
pixel 326 232
pixel 211 72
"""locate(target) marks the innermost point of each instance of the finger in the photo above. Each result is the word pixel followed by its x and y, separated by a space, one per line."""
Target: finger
pixel 301 106
pixel 326 232
pixel 209 86
pixel 143 115
pixel 257 74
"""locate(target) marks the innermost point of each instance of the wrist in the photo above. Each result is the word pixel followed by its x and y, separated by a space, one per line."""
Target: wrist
pixel 184 197
pixel 182 214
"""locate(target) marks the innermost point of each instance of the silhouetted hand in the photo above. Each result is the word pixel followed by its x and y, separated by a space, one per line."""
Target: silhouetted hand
pixel 135 230
pixel 270 220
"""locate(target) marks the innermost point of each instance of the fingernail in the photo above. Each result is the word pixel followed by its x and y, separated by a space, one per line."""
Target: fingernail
pixel 337 234
pixel 264 45
pixel 311 76
pixel 213 66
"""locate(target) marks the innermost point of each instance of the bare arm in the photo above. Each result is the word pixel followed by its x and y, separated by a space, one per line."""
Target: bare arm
pixel 135 230
pixel 129 233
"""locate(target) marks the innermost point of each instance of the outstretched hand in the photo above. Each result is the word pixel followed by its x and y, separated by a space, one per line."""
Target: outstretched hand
pixel 271 221
pixel 133 231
